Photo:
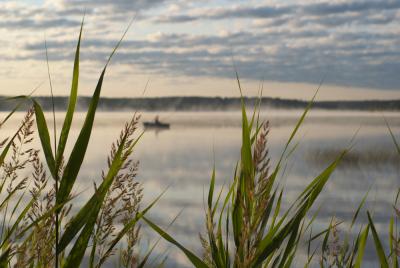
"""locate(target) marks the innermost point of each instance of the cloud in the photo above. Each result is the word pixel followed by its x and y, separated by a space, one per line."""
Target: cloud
pixel 347 57
pixel 28 23
pixel 356 43
pixel 115 5
pixel 319 9
pixel 352 6
pixel 228 13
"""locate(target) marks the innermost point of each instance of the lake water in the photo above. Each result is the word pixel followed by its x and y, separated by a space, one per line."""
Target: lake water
pixel 181 158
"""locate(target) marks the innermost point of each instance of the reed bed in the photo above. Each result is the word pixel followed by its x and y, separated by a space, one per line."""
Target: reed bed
pixel 354 158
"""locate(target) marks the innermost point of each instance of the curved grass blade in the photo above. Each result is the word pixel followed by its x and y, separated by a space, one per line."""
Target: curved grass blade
pixel 19 104
pixel 196 261
pixel 146 258
pixel 16 223
pixel 10 194
pixel 271 243
pixel 4 258
pixel 44 216
pixel 44 137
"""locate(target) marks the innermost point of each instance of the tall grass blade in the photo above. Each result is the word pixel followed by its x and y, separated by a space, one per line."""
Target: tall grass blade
pixel 87 216
pixel 392 135
pixel 359 208
pixel 44 138
pixel 378 244
pixel 71 104
pixel 392 241
pixel 270 244
pixel 196 261
pixel 91 208
pixel 211 190
pixel 78 152
pixel 361 247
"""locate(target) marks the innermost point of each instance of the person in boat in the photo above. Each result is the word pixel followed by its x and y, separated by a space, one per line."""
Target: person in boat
pixel 157 123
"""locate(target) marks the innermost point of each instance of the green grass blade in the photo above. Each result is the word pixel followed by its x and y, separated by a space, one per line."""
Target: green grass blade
pixel 7 148
pixel 35 222
pixel 16 206
pixel 4 258
pixel 11 113
pixel 324 231
pixel 87 216
pixel 217 201
pixel 130 225
pixel 77 252
pixel 392 238
pixel 146 257
pixel 361 247
pixel 91 208
pixel 300 121
pixel 211 190
pixel 22 99
pixel 72 103
pixel 270 244
pixel 196 261
pixel 14 227
pixel 378 245
pixel 78 152
pixel 393 137
pixel 10 195
pixel 359 208
pixel 277 209
pixel 292 135
pixel 44 138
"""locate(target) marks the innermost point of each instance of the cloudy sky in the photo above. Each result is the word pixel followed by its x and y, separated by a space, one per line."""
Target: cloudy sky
pixel 188 47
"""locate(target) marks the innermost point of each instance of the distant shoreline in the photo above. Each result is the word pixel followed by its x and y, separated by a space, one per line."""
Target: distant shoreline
pixel 205 104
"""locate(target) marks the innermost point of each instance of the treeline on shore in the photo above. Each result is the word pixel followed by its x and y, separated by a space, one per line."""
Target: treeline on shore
pixel 204 104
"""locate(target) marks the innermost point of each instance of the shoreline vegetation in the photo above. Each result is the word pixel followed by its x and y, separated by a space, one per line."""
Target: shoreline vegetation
pixel 202 104
pixel 374 158
pixel 245 224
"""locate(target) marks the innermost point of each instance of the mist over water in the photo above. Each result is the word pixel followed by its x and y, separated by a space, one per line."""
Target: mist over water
pixel 183 156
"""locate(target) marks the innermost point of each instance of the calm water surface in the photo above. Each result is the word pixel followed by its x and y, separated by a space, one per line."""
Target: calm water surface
pixel 181 158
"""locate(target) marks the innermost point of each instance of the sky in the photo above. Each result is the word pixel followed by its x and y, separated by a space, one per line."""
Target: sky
pixel 185 48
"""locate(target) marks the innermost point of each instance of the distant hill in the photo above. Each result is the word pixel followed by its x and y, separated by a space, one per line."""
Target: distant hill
pixel 206 104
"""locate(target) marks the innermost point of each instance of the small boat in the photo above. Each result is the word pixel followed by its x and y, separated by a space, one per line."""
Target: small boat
pixel 156 124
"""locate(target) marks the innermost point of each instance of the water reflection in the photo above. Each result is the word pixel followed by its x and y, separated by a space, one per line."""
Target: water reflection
pixel 182 159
